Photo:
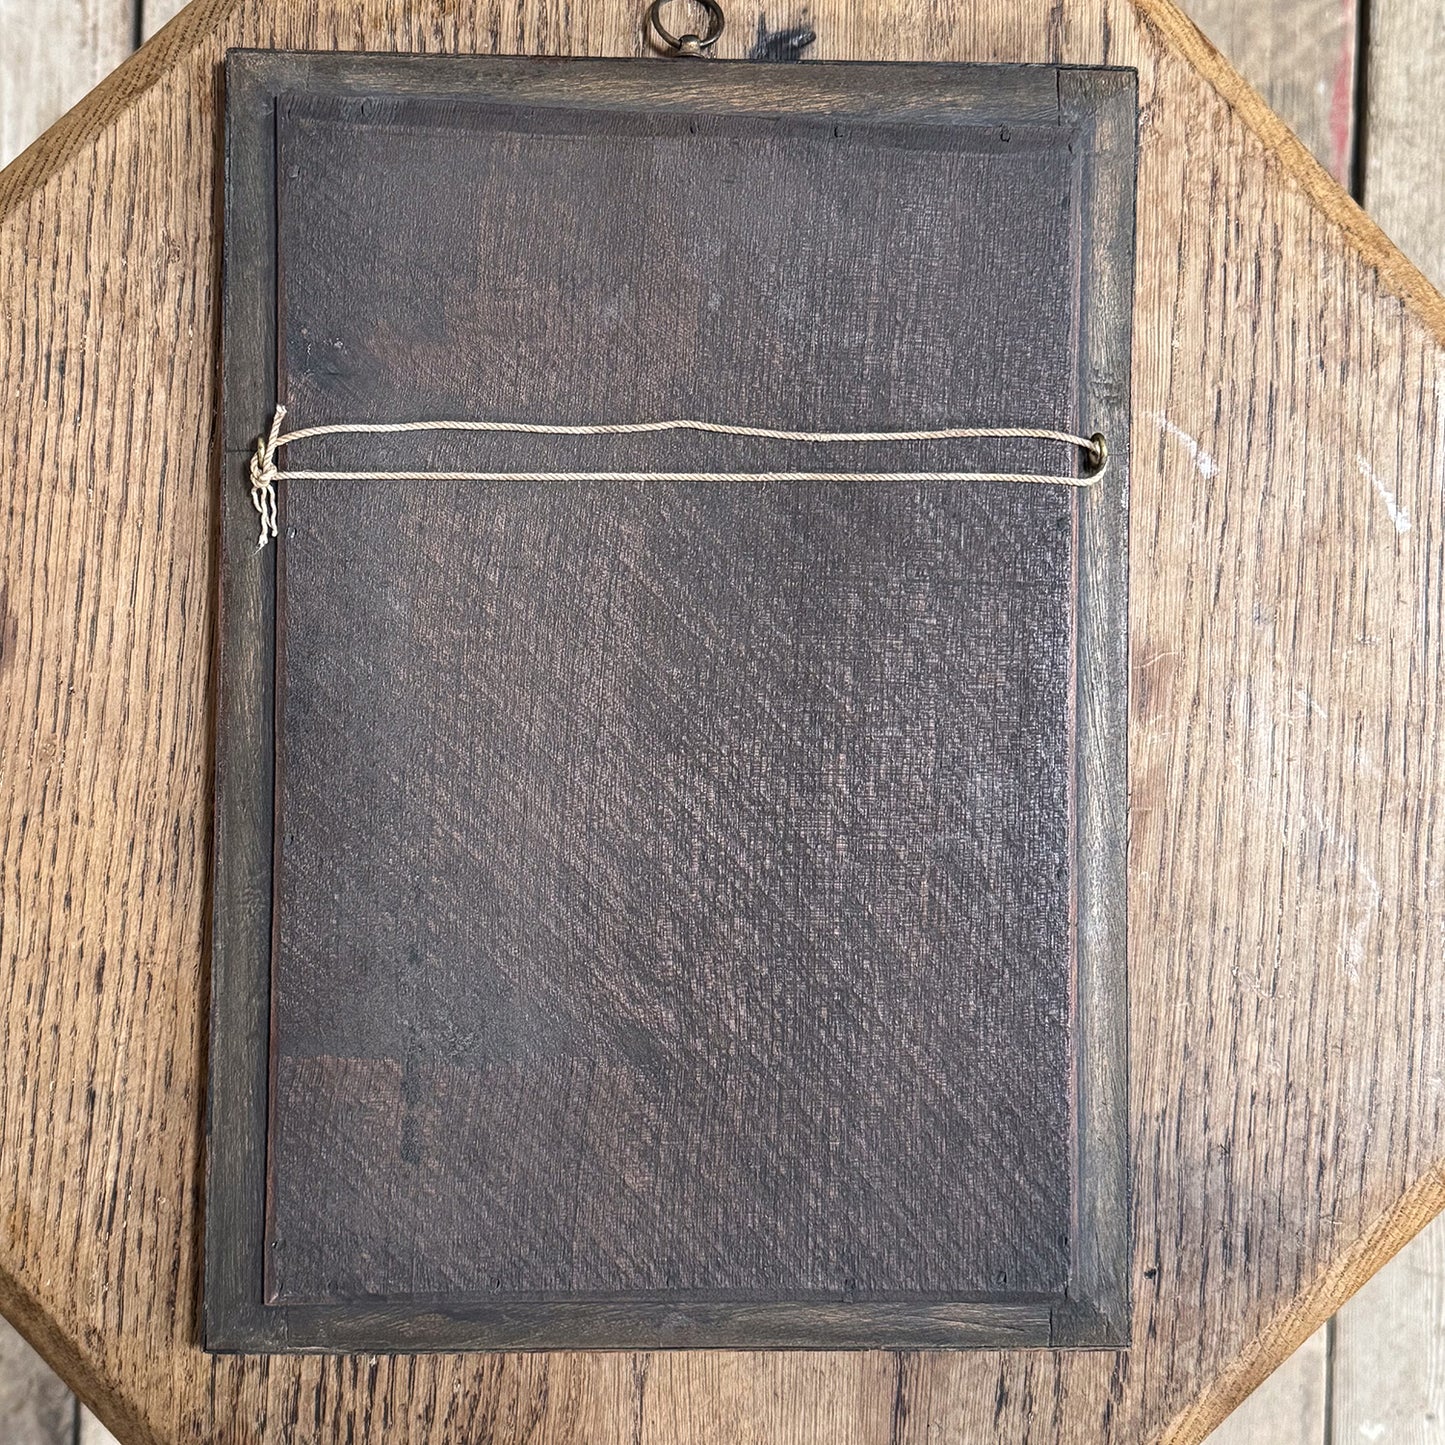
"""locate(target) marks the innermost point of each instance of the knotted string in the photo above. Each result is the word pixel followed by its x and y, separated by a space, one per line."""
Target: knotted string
pixel 265 474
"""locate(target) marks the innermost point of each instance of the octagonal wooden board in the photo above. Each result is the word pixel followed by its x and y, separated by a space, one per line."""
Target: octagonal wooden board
pixel 1285 888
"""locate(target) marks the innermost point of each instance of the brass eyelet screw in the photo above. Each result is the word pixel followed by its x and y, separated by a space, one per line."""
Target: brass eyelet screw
pixel 1098 454
pixel 696 46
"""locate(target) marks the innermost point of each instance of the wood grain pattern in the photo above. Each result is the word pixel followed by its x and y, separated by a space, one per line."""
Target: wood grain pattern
pixel 1389 1340
pixel 1404 124
pixel 44 69
pixel 738 845
pixel 634 1127
pixel 1302 56
pixel 1388 1381
pixel 1285 901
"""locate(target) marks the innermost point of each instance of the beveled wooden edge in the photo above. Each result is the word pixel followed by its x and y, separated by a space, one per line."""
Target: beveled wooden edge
pixel 1286 1332
pixel 1103 106
pixel 237 1093
pixel 1099 104
pixel 1399 275
pixel 419 1327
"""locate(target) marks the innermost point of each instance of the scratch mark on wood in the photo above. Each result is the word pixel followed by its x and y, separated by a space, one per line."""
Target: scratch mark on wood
pixel 1204 462
pixel 1398 514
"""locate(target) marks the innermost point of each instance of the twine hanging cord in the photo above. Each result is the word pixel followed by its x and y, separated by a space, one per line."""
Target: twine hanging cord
pixel 265 473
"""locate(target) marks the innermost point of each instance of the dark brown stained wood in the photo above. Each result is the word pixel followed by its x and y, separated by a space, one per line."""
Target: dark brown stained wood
pixel 685 868
pixel 696 908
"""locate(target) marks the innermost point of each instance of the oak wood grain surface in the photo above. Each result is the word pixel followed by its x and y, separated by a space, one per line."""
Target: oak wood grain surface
pixel 1388 1343
pixel 1287 1075
pixel 1291 51
pixel 1376 1377
pixel 44 70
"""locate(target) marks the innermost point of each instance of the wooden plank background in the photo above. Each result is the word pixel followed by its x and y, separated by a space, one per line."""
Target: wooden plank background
pixel 1361 81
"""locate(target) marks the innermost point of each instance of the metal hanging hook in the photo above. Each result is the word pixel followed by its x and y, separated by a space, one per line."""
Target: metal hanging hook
pixel 688 45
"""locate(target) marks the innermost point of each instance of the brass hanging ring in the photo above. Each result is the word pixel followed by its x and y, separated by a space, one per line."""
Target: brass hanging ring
pixel 694 45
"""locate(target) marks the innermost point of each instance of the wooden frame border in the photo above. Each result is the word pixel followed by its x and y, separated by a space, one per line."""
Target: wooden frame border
pixel 1100 104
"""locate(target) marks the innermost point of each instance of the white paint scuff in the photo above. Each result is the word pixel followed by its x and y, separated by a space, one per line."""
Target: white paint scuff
pixel 1203 460
pixel 1398 515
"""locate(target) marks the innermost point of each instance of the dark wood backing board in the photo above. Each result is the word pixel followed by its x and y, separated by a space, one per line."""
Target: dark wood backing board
pixel 671 914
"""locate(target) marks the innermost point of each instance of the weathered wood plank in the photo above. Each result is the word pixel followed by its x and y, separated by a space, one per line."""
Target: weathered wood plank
pixel 1288 1408
pixel 35 1406
pixel 155 13
pixel 1389 1343
pixel 44 69
pixel 1389 1361
pixel 1390 1322
pixel 1301 56
pixel 1404 170
pixel 51 57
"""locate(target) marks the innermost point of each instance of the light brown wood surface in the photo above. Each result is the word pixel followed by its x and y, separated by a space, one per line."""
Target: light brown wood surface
pixel 44 70
pixel 1380 1376
pixel 1286 904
